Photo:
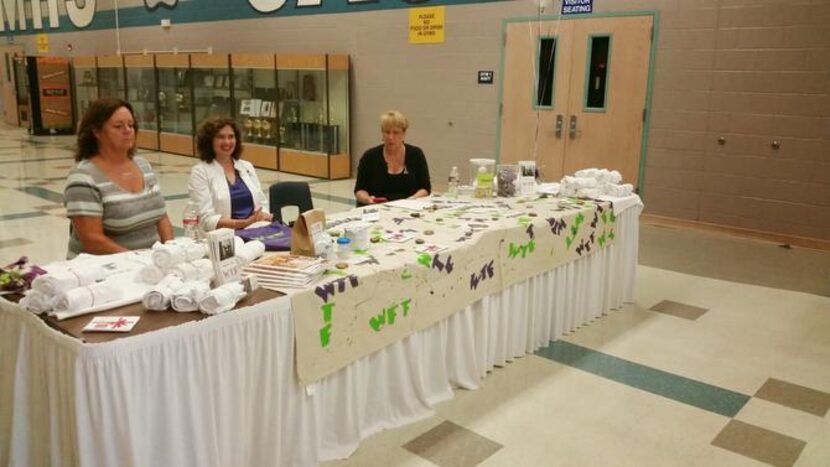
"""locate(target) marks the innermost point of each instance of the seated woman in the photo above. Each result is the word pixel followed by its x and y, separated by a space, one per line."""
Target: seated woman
pixel 224 187
pixel 112 198
pixel 394 170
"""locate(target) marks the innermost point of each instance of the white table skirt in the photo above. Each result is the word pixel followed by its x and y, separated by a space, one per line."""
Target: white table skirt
pixel 223 391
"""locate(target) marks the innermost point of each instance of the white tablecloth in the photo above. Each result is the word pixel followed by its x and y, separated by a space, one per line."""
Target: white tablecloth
pixel 223 391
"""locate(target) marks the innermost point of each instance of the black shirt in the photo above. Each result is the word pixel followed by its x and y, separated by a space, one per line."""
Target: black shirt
pixel 374 177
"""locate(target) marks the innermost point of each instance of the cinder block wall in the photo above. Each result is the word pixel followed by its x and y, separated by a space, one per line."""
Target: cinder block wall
pixel 750 71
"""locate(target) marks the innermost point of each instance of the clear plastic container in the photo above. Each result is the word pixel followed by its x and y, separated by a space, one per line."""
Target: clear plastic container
pixel 452 183
pixel 343 247
pixel 482 174
pixel 507 180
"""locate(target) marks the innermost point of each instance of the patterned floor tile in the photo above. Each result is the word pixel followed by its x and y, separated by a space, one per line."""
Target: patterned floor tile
pixel 451 445
pixel 681 310
pixel 759 443
pixel 795 396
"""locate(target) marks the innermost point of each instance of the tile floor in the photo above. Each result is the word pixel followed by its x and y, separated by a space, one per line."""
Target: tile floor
pixel 722 360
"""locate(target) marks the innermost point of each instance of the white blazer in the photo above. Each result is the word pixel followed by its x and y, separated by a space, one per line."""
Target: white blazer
pixel 208 188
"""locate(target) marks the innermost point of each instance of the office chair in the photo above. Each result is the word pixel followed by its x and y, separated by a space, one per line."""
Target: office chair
pixel 282 194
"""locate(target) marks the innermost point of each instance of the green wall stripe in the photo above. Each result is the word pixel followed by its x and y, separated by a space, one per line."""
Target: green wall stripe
pixel 679 388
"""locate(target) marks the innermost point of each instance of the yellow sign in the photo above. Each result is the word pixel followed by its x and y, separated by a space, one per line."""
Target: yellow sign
pixel 42 43
pixel 426 25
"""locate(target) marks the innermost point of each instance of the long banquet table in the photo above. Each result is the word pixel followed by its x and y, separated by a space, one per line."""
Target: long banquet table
pixel 224 390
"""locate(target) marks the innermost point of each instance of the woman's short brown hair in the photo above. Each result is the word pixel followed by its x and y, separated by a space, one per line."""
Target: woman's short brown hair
pixel 208 130
pixel 93 120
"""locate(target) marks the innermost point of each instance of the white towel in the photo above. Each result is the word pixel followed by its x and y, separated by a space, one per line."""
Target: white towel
pixel 248 252
pixel 150 274
pixel 37 302
pixel 158 298
pixel 62 280
pixel 199 270
pixel 195 251
pixel 89 296
pixel 167 255
pixel 188 296
pixel 222 298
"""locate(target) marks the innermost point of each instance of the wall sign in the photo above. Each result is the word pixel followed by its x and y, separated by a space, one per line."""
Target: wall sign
pixel 426 25
pixel 485 76
pixel 577 7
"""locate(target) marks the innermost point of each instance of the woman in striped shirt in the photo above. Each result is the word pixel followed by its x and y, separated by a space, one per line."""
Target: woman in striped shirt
pixel 112 198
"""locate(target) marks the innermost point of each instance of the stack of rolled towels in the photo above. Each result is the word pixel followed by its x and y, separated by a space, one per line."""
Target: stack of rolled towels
pixel 593 183
pixel 69 288
pixel 181 277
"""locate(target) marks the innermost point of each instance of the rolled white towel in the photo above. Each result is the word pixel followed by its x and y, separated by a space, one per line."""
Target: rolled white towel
pixel 625 189
pixel 195 251
pixel 615 177
pixel 37 302
pixel 248 252
pixel 63 280
pixel 80 298
pixel 167 255
pixel 222 298
pixel 158 298
pixel 201 269
pixel 150 274
pixel 188 296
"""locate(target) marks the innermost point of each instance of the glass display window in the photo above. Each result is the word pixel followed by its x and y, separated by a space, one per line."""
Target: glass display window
pixel 85 81
pixel 111 77
pixel 211 86
pixel 142 92
pixel 255 106
pixel 175 103
pixel 312 111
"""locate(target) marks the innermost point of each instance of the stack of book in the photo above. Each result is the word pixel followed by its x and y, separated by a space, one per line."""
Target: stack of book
pixel 277 272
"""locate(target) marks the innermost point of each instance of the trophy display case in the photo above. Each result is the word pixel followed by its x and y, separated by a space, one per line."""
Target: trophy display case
pixel 85 84
pixel 313 140
pixel 211 86
pixel 175 103
pixel 255 106
pixel 142 93
pixel 111 77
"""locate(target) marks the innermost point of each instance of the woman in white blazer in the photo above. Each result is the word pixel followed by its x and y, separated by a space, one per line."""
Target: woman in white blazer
pixel 223 186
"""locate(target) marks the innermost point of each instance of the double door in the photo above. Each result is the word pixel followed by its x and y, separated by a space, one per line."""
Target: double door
pixel 574 94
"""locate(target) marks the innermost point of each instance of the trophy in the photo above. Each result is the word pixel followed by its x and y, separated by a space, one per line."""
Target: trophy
pixel 248 124
pixel 266 130
pixel 258 128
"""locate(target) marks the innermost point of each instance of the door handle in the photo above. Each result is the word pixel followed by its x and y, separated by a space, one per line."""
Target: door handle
pixel 572 126
pixel 559 124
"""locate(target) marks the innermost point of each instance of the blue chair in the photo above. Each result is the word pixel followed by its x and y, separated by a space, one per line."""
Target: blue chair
pixel 282 194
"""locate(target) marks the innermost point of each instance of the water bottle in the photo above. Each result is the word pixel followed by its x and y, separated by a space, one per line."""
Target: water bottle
pixel 190 221
pixel 452 183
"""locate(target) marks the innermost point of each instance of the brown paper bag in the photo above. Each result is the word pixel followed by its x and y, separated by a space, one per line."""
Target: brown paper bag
pixel 309 225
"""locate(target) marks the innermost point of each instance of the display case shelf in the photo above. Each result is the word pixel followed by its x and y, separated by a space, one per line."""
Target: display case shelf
pixel 175 103
pixel 111 76
pixel 142 92
pixel 255 106
pixel 85 81
pixel 313 92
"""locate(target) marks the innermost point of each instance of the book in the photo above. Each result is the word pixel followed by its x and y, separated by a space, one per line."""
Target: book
pixel 111 324
pixel 221 246
pixel 287 264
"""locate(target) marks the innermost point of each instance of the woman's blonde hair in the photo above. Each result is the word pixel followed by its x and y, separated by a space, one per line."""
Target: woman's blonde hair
pixel 393 118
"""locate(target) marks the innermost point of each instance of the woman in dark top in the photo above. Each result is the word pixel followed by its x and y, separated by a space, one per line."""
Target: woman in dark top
pixel 394 170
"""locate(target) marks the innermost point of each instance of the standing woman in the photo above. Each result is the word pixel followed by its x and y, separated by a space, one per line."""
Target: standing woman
pixel 394 170
pixel 112 197
pixel 224 187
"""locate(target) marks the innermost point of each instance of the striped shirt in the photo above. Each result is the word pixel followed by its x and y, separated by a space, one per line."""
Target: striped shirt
pixel 129 219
